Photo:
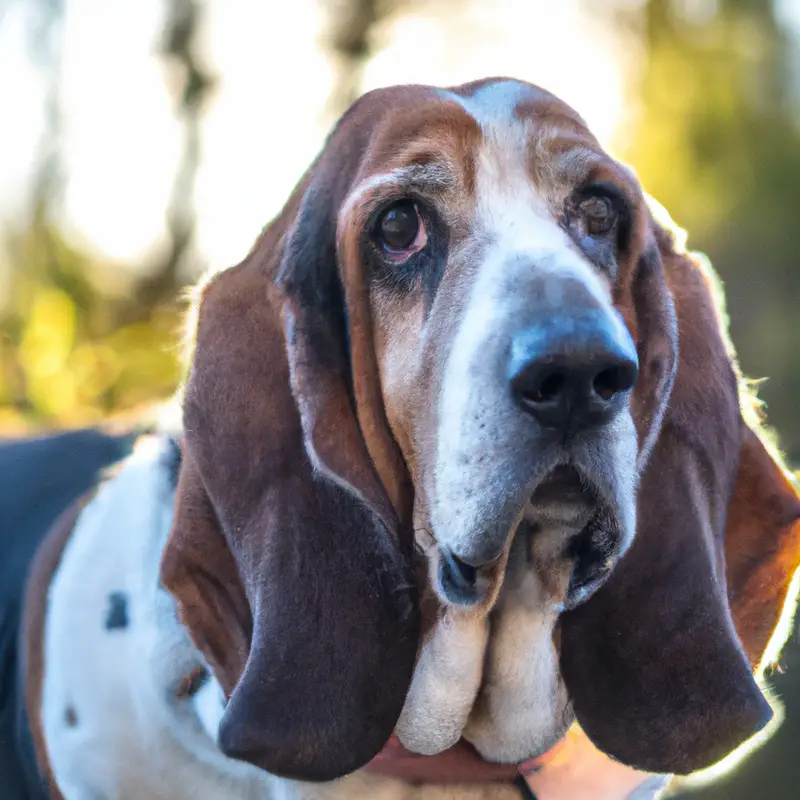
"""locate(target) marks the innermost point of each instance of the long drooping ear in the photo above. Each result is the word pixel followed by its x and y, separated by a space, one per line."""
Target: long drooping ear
pixel 279 469
pixel 657 674
pixel 762 550
pixel 202 574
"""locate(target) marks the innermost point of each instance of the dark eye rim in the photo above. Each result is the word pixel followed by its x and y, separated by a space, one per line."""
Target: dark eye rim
pixel 373 226
pixel 381 234
pixel 619 204
pixel 602 224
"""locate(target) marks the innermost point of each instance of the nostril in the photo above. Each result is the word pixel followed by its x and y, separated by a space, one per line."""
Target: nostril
pixel 543 389
pixel 548 389
pixel 572 377
pixel 614 380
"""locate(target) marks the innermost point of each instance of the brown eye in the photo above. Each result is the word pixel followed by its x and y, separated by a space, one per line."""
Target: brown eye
pixel 599 213
pixel 399 227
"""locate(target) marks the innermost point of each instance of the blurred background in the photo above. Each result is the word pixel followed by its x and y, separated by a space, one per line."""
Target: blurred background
pixel 143 142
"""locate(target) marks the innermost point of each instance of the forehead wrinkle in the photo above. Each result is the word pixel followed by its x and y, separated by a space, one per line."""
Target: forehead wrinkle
pixel 522 129
pixel 606 168
pixel 552 114
pixel 563 163
pixel 551 140
pixel 576 161
pixel 503 133
pixel 505 193
pixel 434 175
pixel 556 120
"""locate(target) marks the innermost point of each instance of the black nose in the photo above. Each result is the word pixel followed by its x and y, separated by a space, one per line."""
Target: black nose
pixel 573 372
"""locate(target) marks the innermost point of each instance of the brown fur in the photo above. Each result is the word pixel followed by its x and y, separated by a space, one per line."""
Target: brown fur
pixel 762 546
pixel 329 659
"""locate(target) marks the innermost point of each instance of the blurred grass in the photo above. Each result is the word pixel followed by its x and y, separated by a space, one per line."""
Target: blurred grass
pixel 74 351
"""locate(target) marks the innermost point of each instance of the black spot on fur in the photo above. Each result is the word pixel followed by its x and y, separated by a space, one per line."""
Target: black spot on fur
pixel 117 616
pixel 70 717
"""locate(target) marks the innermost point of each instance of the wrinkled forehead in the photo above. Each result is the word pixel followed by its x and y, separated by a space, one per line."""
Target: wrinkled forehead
pixel 503 130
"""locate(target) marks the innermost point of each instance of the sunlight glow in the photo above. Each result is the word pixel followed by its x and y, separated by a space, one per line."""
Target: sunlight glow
pixel 121 142
pixel 779 637
pixel 269 115
pixel 22 94
pixel 554 45
pixel 265 124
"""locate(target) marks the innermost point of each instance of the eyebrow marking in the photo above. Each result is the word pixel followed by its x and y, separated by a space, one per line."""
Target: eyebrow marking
pixel 435 174
pixel 579 157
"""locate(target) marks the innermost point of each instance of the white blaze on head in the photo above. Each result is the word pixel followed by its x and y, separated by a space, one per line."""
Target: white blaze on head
pixel 509 207
pixel 524 240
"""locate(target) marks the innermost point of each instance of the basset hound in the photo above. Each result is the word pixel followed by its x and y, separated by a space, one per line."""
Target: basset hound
pixel 468 499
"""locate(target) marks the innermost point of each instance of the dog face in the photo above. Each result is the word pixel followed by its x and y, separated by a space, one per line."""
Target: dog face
pixel 461 335
pixel 493 232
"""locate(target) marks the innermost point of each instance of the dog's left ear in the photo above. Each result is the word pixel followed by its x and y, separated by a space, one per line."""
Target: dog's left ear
pixel 652 662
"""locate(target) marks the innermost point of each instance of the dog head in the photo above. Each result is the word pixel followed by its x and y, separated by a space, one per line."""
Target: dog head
pixel 460 330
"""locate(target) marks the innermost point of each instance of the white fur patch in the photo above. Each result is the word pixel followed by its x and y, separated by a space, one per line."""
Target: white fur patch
pixel 209 704
pixel 445 683
pixel 494 103
pixel 523 708
pixel 483 471
pixel 525 241
pixel 113 725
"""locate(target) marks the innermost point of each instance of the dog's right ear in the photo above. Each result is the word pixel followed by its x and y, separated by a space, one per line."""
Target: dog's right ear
pixel 303 600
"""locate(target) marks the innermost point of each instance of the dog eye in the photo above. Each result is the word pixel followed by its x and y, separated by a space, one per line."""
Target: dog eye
pixel 400 228
pixel 600 214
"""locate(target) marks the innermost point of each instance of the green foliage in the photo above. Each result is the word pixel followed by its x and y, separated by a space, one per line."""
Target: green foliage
pixel 72 350
pixel 719 145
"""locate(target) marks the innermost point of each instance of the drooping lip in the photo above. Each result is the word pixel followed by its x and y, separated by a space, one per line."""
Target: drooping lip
pixel 566 482
pixel 564 497
pixel 461 584
pixel 568 497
